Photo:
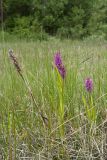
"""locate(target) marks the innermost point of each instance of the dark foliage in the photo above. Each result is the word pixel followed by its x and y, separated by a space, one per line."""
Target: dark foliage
pixel 63 18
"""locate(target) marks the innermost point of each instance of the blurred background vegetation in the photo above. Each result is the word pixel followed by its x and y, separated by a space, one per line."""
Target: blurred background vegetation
pixel 40 19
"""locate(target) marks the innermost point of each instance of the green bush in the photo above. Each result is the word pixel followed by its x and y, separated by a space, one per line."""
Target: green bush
pixel 74 33
pixel 104 30
pixel 63 18
pixel 27 28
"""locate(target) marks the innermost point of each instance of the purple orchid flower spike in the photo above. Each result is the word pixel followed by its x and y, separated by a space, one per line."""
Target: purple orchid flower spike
pixel 89 84
pixel 58 59
pixel 58 63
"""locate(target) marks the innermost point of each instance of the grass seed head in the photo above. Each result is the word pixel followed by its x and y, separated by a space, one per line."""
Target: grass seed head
pixel 14 60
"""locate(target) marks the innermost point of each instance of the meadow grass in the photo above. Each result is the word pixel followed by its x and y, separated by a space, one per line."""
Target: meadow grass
pixel 31 130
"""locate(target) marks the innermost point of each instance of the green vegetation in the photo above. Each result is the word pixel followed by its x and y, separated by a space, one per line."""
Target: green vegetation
pixel 32 128
pixel 38 19
pixel 53 106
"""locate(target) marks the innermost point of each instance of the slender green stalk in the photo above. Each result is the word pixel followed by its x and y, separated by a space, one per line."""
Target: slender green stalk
pixel 90 109
pixel 60 113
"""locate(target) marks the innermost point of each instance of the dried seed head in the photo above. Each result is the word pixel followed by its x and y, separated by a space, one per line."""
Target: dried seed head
pixel 14 60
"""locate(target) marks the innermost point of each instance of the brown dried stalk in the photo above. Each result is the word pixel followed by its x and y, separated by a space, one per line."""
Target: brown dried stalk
pixel 15 62
pixel 19 70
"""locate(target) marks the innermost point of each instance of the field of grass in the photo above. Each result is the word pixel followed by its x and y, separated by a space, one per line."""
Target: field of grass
pixel 32 124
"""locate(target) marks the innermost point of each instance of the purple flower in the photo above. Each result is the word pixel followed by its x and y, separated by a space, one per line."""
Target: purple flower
pixel 57 59
pixel 58 63
pixel 89 84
